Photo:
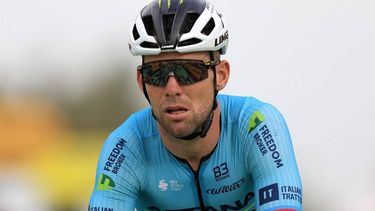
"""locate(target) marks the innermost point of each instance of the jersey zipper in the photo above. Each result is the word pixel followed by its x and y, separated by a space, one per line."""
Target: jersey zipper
pixel 196 177
pixel 199 190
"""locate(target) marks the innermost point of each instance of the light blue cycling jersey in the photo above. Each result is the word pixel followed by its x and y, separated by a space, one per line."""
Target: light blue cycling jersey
pixel 253 166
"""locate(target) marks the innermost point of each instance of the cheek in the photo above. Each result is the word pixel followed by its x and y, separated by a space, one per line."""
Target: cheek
pixel 207 88
pixel 154 93
pixel 203 93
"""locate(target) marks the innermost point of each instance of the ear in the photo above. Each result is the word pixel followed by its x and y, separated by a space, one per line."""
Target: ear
pixel 222 74
pixel 139 80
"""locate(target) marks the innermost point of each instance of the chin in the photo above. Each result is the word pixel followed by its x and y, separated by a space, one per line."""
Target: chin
pixel 180 133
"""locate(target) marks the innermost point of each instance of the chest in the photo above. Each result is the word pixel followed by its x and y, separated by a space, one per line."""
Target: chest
pixel 221 183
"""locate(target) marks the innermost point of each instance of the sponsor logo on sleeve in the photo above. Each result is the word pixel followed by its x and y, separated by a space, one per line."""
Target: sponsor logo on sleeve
pixel 268 194
pixel 116 158
pixel 100 209
pixel 255 120
pixel 291 193
pixel 266 145
pixel 105 182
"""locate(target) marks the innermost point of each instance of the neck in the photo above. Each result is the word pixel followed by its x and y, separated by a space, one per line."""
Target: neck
pixel 194 150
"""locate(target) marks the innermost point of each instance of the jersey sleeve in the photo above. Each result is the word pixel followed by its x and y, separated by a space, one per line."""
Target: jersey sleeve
pixel 120 172
pixel 270 160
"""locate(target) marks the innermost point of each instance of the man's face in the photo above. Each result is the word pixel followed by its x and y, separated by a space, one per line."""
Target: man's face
pixel 181 109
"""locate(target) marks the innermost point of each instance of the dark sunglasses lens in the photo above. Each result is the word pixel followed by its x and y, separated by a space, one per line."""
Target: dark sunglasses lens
pixel 150 76
pixel 185 72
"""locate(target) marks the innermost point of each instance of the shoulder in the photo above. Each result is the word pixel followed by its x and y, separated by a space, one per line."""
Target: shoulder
pixel 240 102
pixel 243 105
pixel 121 170
pixel 133 130
pixel 247 111
pixel 127 140
pixel 231 106
pixel 254 106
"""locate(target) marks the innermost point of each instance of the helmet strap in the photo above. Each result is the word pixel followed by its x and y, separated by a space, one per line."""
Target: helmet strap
pixel 144 87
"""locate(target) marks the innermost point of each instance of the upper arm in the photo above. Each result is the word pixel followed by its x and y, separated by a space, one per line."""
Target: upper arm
pixel 119 174
pixel 270 160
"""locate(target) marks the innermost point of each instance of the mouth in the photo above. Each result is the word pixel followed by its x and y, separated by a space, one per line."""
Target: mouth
pixel 176 110
pixel 176 113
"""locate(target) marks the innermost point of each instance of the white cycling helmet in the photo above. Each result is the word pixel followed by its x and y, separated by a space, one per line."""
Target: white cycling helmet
pixel 178 26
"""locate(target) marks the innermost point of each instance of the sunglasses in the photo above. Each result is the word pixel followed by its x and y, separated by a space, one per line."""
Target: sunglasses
pixel 186 72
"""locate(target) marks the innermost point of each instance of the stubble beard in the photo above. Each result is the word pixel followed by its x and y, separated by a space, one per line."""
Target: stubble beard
pixel 189 126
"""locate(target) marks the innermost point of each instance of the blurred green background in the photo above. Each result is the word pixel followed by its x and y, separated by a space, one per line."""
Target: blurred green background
pixel 50 140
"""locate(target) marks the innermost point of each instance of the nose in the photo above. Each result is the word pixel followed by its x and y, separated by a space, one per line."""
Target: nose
pixel 172 87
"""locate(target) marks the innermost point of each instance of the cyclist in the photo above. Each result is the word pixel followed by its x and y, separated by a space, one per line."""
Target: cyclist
pixel 193 149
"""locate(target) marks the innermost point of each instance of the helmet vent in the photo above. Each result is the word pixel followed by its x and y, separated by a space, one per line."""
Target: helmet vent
pixel 191 41
pixel 149 45
pixel 135 33
pixel 209 27
pixel 168 23
pixel 189 22
pixel 149 25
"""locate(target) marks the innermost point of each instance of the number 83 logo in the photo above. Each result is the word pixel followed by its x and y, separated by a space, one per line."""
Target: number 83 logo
pixel 221 171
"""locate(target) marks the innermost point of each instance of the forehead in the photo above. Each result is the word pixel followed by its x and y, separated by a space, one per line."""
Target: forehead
pixel 174 55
